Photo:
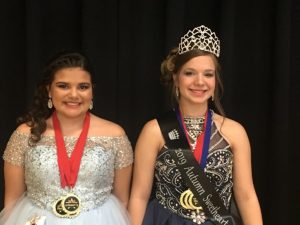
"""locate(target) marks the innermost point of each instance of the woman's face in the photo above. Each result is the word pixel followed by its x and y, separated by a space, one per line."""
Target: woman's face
pixel 71 92
pixel 196 80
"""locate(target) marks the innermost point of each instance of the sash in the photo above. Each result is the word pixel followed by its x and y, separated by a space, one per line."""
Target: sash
pixel 201 193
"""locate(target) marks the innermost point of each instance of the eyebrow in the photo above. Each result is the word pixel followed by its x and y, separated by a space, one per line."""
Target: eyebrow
pixel 209 70
pixel 66 82
pixel 206 70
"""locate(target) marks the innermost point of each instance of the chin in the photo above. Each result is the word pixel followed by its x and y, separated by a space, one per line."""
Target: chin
pixel 74 113
pixel 199 101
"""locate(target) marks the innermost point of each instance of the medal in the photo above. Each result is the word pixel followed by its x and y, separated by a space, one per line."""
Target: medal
pixel 68 206
pixel 71 204
pixel 57 208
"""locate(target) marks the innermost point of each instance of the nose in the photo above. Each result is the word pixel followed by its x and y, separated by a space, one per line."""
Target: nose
pixel 199 79
pixel 73 92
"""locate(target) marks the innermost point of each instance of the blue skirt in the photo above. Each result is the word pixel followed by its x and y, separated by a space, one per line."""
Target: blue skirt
pixel 156 214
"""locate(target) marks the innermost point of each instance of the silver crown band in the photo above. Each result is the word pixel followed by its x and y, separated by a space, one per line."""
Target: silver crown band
pixel 200 38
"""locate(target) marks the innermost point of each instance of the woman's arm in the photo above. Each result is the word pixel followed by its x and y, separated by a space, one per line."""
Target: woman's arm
pixel 243 186
pixel 14 183
pixel 149 143
pixel 121 187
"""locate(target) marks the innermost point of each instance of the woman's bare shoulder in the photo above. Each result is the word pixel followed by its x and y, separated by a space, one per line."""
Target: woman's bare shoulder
pixel 151 132
pixel 226 122
pixel 23 128
pixel 103 127
pixel 151 126
pixel 229 128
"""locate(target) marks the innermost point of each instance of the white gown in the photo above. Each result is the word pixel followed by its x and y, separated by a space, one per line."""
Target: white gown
pixel 102 155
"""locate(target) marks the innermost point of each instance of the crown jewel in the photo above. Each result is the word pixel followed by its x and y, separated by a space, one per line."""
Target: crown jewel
pixel 200 38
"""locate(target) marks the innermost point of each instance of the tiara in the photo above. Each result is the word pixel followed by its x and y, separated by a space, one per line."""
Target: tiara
pixel 200 38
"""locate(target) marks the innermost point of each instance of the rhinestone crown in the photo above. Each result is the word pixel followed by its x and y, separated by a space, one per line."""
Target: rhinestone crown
pixel 200 38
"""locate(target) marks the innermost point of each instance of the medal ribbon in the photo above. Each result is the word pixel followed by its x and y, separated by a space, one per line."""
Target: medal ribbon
pixel 68 168
pixel 202 142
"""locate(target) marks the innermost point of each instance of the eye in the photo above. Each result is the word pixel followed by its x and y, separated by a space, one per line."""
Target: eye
pixel 84 86
pixel 209 74
pixel 62 85
pixel 188 73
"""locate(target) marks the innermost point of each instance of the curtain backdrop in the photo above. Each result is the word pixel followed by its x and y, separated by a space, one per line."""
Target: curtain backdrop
pixel 126 42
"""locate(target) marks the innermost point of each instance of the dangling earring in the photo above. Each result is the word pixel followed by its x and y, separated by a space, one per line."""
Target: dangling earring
pixel 50 104
pixel 177 92
pixel 91 105
pixel 212 98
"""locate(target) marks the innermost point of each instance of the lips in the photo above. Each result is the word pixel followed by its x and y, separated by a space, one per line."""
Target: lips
pixel 198 92
pixel 72 103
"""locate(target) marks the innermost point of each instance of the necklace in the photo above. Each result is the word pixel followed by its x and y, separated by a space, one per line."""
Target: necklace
pixel 202 142
pixel 194 126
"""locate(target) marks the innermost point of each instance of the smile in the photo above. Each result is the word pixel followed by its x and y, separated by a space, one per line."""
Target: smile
pixel 72 103
pixel 198 91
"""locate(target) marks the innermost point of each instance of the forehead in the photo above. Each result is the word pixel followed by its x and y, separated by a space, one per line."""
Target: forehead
pixel 200 62
pixel 75 74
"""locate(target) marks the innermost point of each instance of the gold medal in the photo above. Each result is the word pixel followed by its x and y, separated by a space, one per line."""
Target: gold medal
pixel 67 206
pixel 71 204
pixel 58 209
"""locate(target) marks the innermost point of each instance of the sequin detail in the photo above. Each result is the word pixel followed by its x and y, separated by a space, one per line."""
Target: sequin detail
pixel 16 148
pixel 194 126
pixel 169 183
pixel 102 155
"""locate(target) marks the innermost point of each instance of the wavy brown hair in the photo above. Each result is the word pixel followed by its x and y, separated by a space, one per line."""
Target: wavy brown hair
pixel 39 112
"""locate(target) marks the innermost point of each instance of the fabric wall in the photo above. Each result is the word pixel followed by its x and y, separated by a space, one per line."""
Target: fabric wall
pixel 126 42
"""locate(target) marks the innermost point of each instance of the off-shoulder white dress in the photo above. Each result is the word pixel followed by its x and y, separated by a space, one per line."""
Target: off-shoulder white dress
pixel 102 156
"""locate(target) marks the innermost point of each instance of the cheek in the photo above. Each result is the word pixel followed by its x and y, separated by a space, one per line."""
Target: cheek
pixel 54 95
pixel 182 81
pixel 88 96
pixel 212 83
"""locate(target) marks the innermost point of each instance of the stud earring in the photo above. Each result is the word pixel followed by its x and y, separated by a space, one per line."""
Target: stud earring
pixel 50 104
pixel 91 105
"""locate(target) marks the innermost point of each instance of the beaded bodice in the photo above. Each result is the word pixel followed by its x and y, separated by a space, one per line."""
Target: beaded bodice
pixel 169 184
pixel 102 155
pixel 194 128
